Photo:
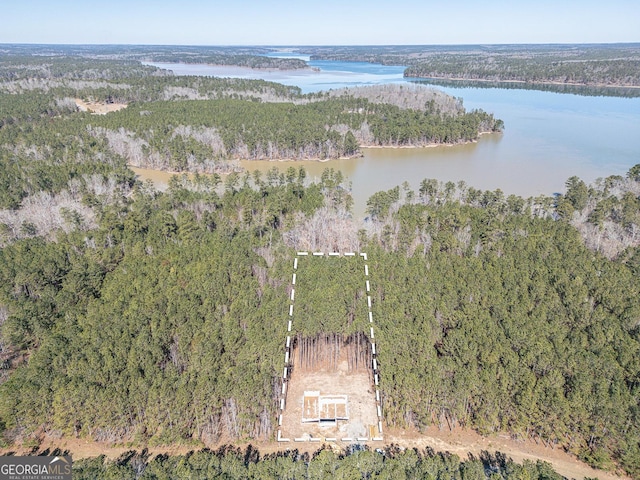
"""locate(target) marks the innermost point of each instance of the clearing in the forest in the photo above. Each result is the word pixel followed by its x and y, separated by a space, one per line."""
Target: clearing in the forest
pixel 330 383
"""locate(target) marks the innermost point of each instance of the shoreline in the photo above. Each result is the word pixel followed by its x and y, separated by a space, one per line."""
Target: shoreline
pixel 259 69
pixel 429 145
pixel 161 178
pixel 153 174
pixel 524 82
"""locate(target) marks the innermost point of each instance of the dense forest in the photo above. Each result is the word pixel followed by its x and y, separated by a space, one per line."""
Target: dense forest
pixel 129 314
pixel 492 314
pixel 198 131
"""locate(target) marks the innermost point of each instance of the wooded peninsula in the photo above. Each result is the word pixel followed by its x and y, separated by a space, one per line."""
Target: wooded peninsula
pixel 613 65
pixel 143 317
pixel 202 124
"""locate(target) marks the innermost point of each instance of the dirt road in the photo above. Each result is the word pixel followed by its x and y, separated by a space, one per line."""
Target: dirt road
pixel 459 441
pixel 462 442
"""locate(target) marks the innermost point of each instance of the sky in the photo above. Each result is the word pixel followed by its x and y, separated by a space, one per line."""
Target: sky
pixel 318 22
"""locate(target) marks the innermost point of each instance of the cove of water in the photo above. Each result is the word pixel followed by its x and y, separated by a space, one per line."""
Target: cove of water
pixel 548 136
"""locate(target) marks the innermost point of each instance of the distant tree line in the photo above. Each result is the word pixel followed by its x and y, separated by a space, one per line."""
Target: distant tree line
pixel 583 90
pixel 596 65
pixel 99 62
pixel 618 72
pixel 16 67
pixel 249 61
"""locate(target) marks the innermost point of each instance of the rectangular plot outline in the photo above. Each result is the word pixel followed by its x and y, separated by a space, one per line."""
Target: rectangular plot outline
pixel 287 349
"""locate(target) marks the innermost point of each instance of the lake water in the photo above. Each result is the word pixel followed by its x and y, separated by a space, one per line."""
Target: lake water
pixel 548 136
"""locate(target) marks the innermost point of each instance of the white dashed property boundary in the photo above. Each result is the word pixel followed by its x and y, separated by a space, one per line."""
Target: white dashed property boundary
pixel 287 351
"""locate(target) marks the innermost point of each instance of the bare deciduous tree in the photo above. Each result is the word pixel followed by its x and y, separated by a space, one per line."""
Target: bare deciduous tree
pixel 415 97
pixel 327 230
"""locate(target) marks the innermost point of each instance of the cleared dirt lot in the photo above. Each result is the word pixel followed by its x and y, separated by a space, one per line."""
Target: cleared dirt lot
pixel 99 108
pixel 332 378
